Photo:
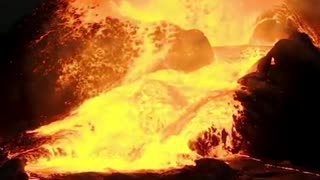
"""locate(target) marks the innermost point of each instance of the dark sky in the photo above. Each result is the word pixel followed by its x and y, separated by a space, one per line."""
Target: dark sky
pixel 13 10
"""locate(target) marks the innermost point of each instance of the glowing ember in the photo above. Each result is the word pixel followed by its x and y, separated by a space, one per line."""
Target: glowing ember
pixel 141 119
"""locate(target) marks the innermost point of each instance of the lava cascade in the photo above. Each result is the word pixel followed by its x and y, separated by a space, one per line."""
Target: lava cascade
pixel 133 119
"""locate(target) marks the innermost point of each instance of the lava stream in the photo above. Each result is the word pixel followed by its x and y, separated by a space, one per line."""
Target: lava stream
pixel 124 129
pixel 149 119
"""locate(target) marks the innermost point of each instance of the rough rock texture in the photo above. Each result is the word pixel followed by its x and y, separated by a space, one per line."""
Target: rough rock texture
pixel 280 117
pixel 190 51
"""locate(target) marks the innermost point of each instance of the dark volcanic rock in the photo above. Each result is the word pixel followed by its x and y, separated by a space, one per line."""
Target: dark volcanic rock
pixel 14 107
pixel 190 51
pixel 280 117
pixel 13 170
pixel 250 169
pixel 221 169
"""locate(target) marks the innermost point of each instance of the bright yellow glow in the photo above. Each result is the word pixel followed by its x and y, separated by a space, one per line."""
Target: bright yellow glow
pixel 147 120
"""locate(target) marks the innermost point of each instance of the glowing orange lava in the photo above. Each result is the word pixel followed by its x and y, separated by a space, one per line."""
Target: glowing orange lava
pixel 147 119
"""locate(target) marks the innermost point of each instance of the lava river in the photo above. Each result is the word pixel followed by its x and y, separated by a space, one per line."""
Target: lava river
pixel 149 120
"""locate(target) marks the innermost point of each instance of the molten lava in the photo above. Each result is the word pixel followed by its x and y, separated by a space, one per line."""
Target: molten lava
pixel 134 118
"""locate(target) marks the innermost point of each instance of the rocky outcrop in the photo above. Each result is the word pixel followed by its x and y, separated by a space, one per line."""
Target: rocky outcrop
pixel 280 116
pixel 13 170
pixel 190 51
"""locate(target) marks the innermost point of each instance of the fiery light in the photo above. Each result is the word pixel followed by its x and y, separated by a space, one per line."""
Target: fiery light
pixel 135 118
pixel 146 124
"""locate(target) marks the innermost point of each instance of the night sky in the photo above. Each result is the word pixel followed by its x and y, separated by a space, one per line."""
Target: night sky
pixel 12 10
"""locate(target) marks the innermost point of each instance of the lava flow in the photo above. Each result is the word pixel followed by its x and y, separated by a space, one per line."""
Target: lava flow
pixel 148 119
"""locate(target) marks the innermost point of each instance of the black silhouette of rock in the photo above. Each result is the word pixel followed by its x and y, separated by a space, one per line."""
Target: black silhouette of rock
pixel 13 170
pixel 15 106
pixel 280 116
pixel 221 169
